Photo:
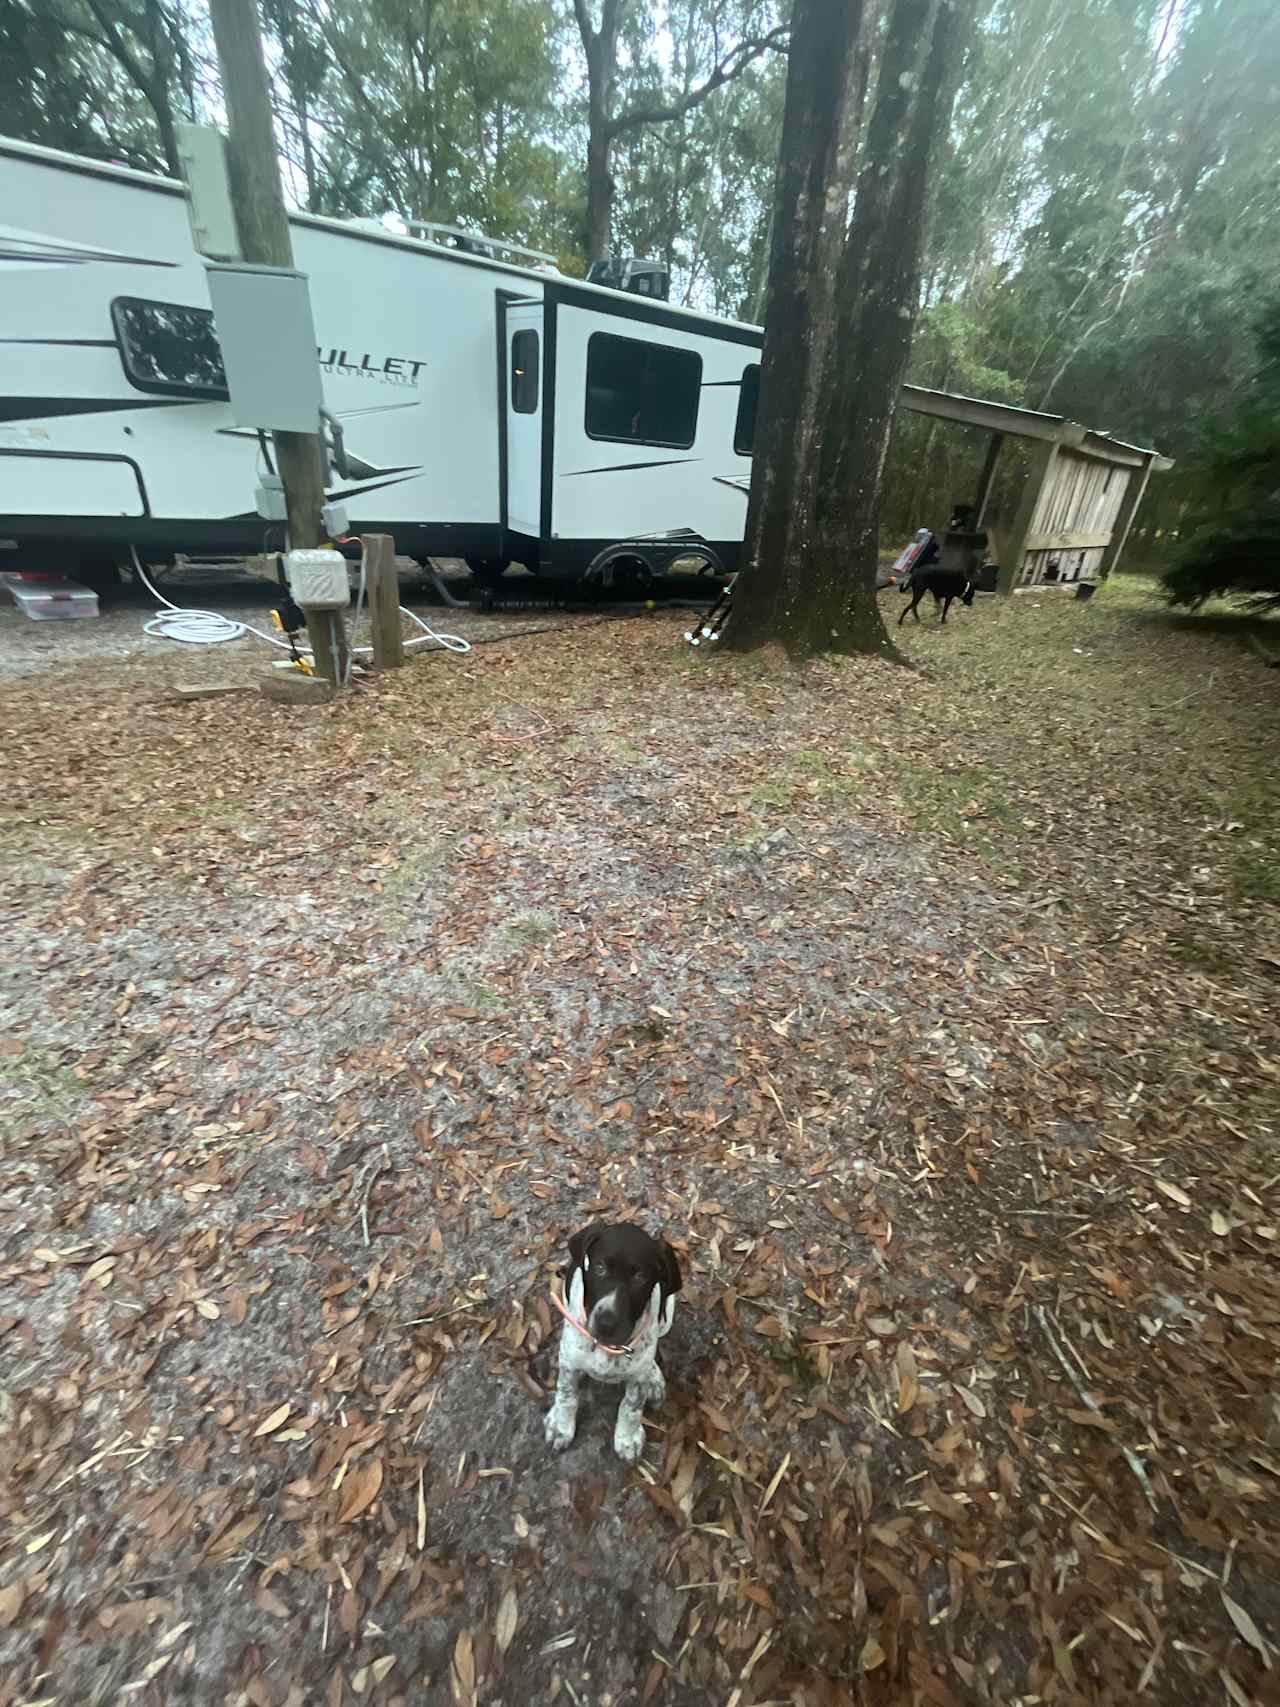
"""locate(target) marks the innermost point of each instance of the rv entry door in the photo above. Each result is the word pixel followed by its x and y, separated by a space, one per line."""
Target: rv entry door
pixel 524 418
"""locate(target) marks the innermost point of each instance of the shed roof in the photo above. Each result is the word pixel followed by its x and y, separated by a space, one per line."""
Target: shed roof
pixel 1030 424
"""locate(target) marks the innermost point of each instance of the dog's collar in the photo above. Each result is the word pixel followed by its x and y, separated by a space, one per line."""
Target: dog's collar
pixel 611 1350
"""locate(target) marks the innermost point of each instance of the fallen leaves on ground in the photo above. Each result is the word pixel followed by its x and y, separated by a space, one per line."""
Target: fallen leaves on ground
pixel 931 1015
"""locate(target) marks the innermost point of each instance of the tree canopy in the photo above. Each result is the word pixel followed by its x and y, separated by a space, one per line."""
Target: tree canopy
pixel 1107 209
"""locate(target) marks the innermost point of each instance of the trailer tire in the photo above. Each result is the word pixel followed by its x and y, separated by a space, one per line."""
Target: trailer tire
pixel 620 565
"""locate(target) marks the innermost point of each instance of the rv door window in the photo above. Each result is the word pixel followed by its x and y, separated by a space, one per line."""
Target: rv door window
pixel 524 373
pixel 169 348
pixel 642 393
pixel 744 431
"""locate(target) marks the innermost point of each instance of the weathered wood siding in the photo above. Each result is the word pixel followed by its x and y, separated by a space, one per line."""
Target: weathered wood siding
pixel 1074 518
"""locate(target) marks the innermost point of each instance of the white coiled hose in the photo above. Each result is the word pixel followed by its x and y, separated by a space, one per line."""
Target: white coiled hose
pixel 210 628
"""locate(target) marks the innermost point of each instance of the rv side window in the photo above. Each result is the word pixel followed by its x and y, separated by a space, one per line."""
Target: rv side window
pixel 642 393
pixel 524 373
pixel 744 432
pixel 169 348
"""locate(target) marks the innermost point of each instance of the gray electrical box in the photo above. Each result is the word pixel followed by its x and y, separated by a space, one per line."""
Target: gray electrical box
pixel 202 152
pixel 262 316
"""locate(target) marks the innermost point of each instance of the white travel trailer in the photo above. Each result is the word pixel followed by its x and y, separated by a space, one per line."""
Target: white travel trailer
pixel 489 411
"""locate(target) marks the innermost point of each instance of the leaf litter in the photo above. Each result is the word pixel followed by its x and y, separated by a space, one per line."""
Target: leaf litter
pixel 324 1030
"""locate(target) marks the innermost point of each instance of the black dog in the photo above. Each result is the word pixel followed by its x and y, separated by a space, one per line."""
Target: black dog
pixel 946 585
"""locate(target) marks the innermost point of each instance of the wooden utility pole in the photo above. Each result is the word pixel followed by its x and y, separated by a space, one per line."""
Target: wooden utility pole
pixel 263 228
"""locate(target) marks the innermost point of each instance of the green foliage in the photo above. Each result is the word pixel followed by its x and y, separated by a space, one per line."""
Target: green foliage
pixel 107 79
pixel 444 110
pixel 1236 549
pixel 1106 219
pixel 1239 557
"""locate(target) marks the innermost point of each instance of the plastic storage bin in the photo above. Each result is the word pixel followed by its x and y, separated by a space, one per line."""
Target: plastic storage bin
pixel 50 598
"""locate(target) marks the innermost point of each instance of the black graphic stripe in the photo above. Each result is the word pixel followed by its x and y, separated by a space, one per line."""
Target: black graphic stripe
pixel 624 467
pixel 79 258
pixel 361 469
pixel 65 343
pixel 44 408
pixel 375 486
pixel 334 497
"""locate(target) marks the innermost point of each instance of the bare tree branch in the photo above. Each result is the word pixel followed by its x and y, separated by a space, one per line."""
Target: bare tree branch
pixel 731 66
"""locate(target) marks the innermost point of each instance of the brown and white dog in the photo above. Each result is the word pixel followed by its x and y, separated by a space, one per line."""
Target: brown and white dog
pixel 620 1290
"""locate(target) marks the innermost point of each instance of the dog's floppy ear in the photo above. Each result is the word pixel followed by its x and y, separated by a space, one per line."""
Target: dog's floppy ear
pixel 581 1242
pixel 668 1271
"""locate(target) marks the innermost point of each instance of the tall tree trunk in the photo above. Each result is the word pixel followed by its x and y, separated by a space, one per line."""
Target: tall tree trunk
pixel 599 193
pixel 601 49
pixel 308 154
pixel 159 87
pixel 811 585
pixel 826 72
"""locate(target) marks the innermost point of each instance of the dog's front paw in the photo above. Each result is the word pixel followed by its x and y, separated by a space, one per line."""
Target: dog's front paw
pixel 560 1428
pixel 628 1438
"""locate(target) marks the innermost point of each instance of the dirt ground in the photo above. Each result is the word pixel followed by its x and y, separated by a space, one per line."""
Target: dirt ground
pixel 930 1014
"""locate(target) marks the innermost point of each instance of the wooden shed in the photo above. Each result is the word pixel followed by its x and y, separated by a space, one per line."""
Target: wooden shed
pixel 1077 503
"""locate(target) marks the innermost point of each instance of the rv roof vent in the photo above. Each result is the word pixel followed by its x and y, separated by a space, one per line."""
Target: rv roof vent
pixel 639 278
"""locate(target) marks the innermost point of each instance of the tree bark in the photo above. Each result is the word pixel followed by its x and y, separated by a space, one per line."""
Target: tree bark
pixel 601 49
pixel 825 70
pixel 809 581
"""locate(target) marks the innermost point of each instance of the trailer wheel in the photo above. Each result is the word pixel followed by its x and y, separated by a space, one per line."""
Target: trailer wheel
pixel 620 567
pixel 708 561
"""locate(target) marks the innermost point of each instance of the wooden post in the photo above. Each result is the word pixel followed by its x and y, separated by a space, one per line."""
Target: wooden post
pixel 327 634
pixel 1133 495
pixel 987 478
pixel 263 228
pixel 383 582
pixel 1044 455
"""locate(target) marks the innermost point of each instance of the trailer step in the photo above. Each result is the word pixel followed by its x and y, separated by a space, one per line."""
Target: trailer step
pixel 49 598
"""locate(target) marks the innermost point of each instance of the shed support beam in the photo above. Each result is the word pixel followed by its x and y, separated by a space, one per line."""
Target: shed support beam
pixel 987 478
pixel 1043 458
pixel 1133 493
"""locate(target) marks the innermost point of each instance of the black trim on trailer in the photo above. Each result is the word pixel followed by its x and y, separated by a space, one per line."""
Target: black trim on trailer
pixel 574 555
pixel 79 456
pixel 622 467
pixel 46 408
pixel 66 343
pixel 523 548
pixel 502 300
pixel 235 534
pixel 621 305
pixel 550 336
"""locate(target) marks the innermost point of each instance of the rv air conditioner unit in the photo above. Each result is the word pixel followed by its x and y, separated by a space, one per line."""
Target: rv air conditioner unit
pixel 638 278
